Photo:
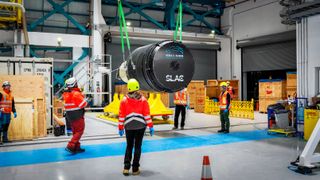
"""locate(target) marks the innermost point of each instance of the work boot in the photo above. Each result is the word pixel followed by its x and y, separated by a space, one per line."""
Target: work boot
pixel 1 142
pixel 221 131
pixel 182 128
pixel 174 128
pixel 80 150
pixel 226 131
pixel 125 172
pixel 135 171
pixel 71 150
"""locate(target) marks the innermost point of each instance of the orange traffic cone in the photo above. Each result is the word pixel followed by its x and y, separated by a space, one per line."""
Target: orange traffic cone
pixel 206 169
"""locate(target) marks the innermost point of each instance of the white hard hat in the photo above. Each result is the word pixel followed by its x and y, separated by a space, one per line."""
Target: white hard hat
pixel 6 83
pixel 71 82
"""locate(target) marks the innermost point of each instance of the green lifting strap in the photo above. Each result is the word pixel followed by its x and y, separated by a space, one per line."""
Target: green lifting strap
pixel 123 26
pixel 179 23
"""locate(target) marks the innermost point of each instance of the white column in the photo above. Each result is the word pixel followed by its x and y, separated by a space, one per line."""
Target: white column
pixel 308 62
pixel 97 49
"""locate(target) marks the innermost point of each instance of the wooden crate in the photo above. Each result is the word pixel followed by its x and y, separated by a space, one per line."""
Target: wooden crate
pixel 272 89
pixel 265 102
pixel 212 82
pixel 192 99
pixel 21 128
pixel 192 90
pixel 58 108
pixel 165 99
pixel 291 91
pixel 199 104
pixel 40 120
pixel 212 91
pixel 24 88
pixel 121 89
pixel 291 80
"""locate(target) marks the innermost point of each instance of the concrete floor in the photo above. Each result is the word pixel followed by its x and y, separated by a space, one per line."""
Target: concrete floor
pixel 253 159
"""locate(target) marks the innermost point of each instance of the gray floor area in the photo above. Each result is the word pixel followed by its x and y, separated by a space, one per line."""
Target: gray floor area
pixel 263 160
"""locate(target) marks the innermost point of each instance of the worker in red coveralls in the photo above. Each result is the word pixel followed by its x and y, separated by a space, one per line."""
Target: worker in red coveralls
pixel 134 116
pixel 74 104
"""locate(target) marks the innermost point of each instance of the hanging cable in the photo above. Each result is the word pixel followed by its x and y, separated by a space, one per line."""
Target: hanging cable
pixel 179 23
pixel 123 27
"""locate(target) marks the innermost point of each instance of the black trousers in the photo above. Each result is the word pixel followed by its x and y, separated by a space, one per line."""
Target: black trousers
pixel 134 139
pixel 182 109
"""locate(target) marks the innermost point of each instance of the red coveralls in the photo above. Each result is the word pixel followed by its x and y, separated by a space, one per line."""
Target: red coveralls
pixel 74 106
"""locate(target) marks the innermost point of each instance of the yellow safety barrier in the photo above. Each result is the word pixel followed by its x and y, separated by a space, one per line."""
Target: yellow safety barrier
pixel 311 117
pixel 239 109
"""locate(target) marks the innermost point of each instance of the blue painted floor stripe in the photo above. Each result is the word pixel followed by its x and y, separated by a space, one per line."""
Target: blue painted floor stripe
pixel 38 156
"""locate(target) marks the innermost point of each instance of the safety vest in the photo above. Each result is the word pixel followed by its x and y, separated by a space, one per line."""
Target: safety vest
pixel 74 104
pixel 180 98
pixel 223 101
pixel 134 114
pixel 6 102
pixel 230 91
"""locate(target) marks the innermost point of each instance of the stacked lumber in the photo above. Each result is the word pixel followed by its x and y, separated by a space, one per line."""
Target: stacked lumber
pixel 29 94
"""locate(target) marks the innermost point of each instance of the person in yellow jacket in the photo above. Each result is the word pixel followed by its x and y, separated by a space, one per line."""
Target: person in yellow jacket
pixel 224 103
pixel 6 108
pixel 181 100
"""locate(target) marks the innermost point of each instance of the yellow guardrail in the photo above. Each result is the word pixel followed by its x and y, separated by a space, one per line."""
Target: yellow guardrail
pixel 239 109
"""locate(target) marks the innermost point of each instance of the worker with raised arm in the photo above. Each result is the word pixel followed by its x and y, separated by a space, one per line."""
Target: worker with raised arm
pixel 74 104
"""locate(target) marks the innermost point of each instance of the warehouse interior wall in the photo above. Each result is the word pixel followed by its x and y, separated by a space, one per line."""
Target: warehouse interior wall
pixel 224 57
pixel 248 20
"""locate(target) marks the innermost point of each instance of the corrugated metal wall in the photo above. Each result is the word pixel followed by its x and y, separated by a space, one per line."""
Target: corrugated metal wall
pixel 268 57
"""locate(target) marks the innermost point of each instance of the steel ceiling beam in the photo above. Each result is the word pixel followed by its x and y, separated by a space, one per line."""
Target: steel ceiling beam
pixel 170 13
pixel 201 17
pixel 58 8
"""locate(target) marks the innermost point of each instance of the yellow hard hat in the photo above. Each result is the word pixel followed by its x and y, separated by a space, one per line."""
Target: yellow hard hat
pixel 133 85
pixel 223 84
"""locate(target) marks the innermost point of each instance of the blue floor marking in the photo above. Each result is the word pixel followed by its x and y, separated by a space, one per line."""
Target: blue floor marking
pixel 38 156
